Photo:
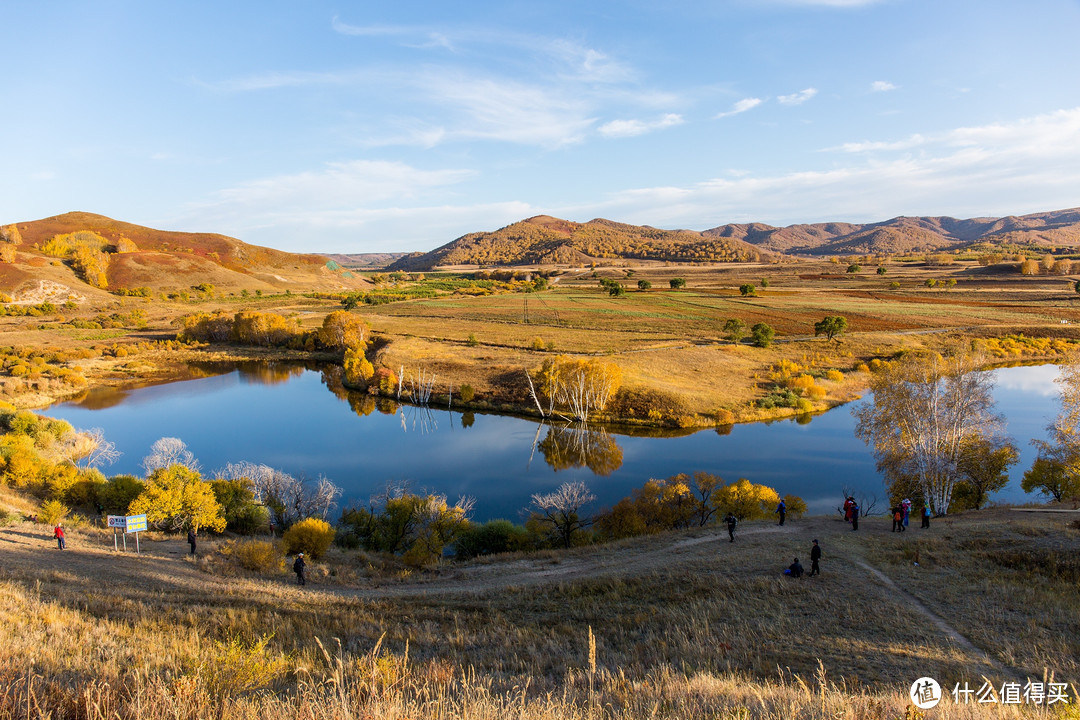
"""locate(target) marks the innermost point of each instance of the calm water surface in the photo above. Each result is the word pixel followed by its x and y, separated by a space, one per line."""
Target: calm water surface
pixel 287 417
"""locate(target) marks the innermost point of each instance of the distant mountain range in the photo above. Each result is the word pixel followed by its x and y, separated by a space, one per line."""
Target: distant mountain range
pixel 544 239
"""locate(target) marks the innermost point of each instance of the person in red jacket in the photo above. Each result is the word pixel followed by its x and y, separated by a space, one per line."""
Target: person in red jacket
pixel 58 533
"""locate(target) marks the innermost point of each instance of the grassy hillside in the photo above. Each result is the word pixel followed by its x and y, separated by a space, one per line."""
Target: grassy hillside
pixel 544 240
pixel 682 625
pixel 131 256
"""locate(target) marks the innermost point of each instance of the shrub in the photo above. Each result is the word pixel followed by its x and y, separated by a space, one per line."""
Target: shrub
pixel 466 393
pixel 537 343
pixel 644 285
pixel 472 341
pixel 747 290
pixel 119 492
pixel 311 537
pixel 259 556
pixel 52 512
pixel 677 283
pixel 762 335
pixel 894 285
pixel 834 375
pixel 494 536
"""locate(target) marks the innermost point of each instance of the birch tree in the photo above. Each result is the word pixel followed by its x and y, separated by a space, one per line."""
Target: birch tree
pixel 925 410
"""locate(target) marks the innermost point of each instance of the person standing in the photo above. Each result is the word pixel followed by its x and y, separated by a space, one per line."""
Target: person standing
pixel 299 567
pixel 906 507
pixel 926 516
pixel 897 519
pixel 191 540
pixel 815 556
pixel 854 516
pixel 781 510
pixel 58 533
pixel 731 521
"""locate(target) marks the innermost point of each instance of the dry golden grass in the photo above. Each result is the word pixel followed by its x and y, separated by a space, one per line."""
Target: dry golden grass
pixel 686 625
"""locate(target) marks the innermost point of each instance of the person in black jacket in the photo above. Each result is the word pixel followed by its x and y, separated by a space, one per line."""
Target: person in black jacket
pixel 731 521
pixel 815 556
pixel 926 516
pixel 191 540
pixel 795 570
pixel 300 567
pixel 781 510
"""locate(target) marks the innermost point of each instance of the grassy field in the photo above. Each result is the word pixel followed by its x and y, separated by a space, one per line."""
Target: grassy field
pixel 683 625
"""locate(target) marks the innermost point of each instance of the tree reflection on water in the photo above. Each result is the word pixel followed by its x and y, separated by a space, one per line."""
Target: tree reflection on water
pixel 580 445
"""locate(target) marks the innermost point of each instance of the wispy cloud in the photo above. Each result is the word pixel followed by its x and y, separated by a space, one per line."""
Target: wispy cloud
pixel 277 80
pixel 882 86
pixel 797 98
pixel 1026 165
pixel 872 146
pixel 741 106
pixel 631 128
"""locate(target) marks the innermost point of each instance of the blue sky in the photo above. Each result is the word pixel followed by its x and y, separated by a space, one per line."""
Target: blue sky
pixel 365 127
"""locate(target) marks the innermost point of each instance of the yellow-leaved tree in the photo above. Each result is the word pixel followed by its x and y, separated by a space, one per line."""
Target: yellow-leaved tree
pixel 341 330
pixel 746 500
pixel 358 370
pixel 176 497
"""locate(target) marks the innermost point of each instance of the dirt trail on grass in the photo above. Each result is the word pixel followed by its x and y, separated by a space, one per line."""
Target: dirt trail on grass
pixel 29 550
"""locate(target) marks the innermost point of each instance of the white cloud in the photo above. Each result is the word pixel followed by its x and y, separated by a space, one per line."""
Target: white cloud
pixel 1023 166
pixel 873 146
pixel 321 198
pixel 741 107
pixel 631 128
pixel 797 98
pixel 882 86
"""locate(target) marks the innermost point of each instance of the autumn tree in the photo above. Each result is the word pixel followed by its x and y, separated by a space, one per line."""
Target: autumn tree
pixel 925 411
pixel 342 330
pixel 577 386
pixel 560 511
pixel 358 369
pixel 984 467
pixel 10 234
pixel 747 289
pixel 735 329
pixel 746 500
pixel 176 497
pixel 831 326
pixel 706 488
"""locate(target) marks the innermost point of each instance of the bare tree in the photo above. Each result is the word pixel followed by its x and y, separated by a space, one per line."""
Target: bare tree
pixel 101 451
pixel 925 410
pixel 169 451
pixel 561 509
pixel 288 498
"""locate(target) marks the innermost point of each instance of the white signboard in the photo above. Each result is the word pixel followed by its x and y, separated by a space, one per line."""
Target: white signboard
pixel 117 521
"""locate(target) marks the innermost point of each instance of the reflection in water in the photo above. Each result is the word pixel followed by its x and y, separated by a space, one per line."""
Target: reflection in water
pixel 468 418
pixel 580 445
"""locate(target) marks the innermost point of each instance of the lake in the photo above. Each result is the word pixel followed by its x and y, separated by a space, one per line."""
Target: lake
pixel 298 419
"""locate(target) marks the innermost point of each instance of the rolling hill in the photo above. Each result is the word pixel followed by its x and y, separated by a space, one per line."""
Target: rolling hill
pixel 544 239
pixel 125 256
pixel 1060 228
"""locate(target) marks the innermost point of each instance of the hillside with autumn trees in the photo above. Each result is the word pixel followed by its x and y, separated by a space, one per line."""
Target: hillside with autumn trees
pixel 900 235
pixel 84 251
pixel 547 240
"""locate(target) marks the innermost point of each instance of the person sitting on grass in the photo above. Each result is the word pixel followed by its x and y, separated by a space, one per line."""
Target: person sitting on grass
pixel 794 570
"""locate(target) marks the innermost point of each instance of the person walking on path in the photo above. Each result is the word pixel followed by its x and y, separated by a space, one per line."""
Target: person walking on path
pixel 300 568
pixel 815 556
pixel 191 540
pixel 781 510
pixel 926 516
pixel 58 533
pixel 731 521
pixel 854 516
